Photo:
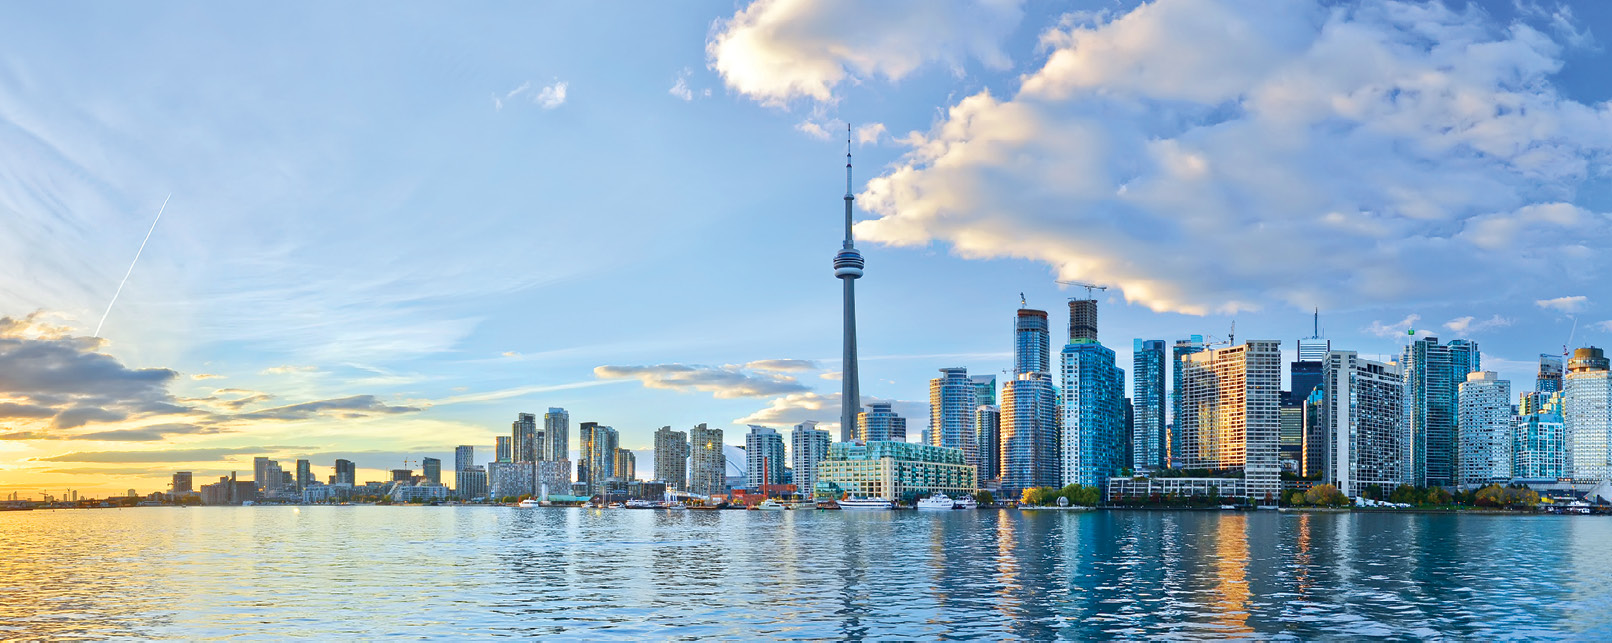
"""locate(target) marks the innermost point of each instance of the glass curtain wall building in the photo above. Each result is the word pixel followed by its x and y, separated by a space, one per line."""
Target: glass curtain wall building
pixel 953 401
pixel 1147 405
pixel 1093 421
pixel 1483 415
pixel 1587 412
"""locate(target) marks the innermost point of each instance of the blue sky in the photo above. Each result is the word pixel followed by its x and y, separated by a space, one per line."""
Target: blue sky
pixel 393 227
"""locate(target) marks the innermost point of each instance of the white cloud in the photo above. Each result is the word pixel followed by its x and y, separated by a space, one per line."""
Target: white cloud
pixel 680 87
pixel 776 50
pixel 498 102
pixel 288 369
pixel 1396 329
pixel 1469 324
pixel 551 96
pixel 795 408
pixel 723 382
pixel 1570 304
pixel 1388 147
pixel 870 133
pixel 812 129
pixel 1603 325
pixel 782 365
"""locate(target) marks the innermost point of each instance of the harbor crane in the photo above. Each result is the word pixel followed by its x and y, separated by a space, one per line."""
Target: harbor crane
pixel 1090 288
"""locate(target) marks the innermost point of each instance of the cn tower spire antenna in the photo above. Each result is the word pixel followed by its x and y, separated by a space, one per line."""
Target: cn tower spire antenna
pixel 848 268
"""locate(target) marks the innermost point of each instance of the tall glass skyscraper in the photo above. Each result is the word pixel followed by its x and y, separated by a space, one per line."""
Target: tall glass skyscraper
pixel 1432 372
pixel 1032 342
pixel 1483 415
pixel 808 446
pixel 556 444
pixel 599 444
pixel 880 422
pixel 1539 444
pixel 1093 439
pixel 1029 415
pixel 1549 379
pixel 764 457
pixel 526 437
pixel 1182 348
pixel 1147 404
pixel 1587 414
pixel 987 427
pixel 952 404
pixel 671 458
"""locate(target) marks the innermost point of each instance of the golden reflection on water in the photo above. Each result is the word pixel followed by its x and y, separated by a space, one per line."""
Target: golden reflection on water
pixel 1007 568
pixel 1303 558
pixel 1231 573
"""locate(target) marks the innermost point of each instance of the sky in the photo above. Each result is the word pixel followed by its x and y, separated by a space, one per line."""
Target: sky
pixel 386 229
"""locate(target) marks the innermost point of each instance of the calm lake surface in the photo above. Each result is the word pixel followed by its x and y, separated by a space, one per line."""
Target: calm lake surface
pixel 458 572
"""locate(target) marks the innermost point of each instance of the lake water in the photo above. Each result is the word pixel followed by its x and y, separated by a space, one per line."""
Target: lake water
pixel 457 572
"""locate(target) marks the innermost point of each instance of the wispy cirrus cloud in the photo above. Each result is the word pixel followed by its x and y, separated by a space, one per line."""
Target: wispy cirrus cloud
pixel 1569 304
pixel 166 455
pixel 723 382
pixel 1470 324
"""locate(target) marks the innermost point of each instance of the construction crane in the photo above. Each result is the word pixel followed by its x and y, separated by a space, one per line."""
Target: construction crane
pixel 1089 287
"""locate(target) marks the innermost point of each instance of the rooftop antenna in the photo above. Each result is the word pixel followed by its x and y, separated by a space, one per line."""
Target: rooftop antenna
pixel 1317 329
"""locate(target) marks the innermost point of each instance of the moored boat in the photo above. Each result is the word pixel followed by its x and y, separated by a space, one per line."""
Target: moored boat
pixel 865 504
pixel 937 502
pixel 529 503
pixel 772 505
pixel 965 502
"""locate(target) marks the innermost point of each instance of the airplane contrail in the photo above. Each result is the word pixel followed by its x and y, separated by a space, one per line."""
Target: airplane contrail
pixel 131 265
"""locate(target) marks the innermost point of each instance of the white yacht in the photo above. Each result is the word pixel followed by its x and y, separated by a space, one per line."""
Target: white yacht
pixel 965 502
pixel 529 503
pixel 937 502
pixel 771 505
pixel 862 504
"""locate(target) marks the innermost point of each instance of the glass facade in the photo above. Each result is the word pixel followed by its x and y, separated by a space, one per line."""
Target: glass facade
pixel 1147 405
pixel 895 470
pixel 1032 342
pixel 1587 414
pixel 1093 426
pixel 1432 372
pixel 879 423
pixel 764 457
pixel 1182 348
pixel 1029 433
pixel 1539 445
pixel 952 402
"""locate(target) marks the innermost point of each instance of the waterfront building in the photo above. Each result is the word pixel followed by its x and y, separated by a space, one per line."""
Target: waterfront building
pixel 346 472
pixel 526 438
pixel 464 455
pixel 1290 437
pixel 848 265
pixel 402 475
pixel 1178 353
pixel 422 492
pixel 671 457
pixel 1093 420
pixel 432 469
pixel 1029 433
pixel 1587 415
pixel 880 422
pixel 1432 372
pixel 808 446
pixel 764 457
pixel 625 466
pixel 181 482
pixel 1549 379
pixel 1147 405
pixel 1539 444
pixel 511 479
pixel 1083 319
pixel 554 477
pixel 953 399
pixel 598 463
pixel 1032 342
pixel 896 470
pixel 1229 414
pixel 988 437
pixel 556 443
pixel 1484 441
pixel 504 449
pixel 1363 441
pixel 707 464
pixel 1315 458
pixel 1121 489
pixel 304 474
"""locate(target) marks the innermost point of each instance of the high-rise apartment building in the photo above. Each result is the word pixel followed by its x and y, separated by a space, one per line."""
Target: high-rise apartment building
pixel 526 437
pixel 1539 444
pixel 556 435
pixel 987 427
pixel 464 456
pixel 505 449
pixel 346 472
pixel 625 467
pixel 880 422
pixel 470 483
pixel 1364 443
pixel 1484 439
pixel 953 399
pixel 1549 379
pixel 984 388
pixel 707 464
pixel 1587 415
pixel 1083 319
pixel 764 457
pixel 808 446
pixel 1093 420
pixel 304 474
pixel 671 458
pixel 1147 405
pixel 1029 409
pixel 182 482
pixel 599 444
pixel 1178 353
pixel 1032 342
pixel 1432 373
pixel 433 469
pixel 1229 414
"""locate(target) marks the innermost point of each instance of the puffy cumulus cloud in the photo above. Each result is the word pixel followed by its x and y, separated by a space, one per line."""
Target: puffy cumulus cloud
pixel 1569 304
pixel 777 50
pixel 1470 324
pixel 792 409
pixel 723 382
pixel 1402 327
pixel 551 96
pixel 1391 148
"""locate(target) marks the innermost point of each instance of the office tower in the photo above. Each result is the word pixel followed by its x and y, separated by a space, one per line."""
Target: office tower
pixel 879 422
pixel 526 438
pixel 984 389
pixel 1147 404
pixel 707 465
pixel 988 437
pixel 1305 372
pixel 1093 426
pixel 505 449
pixel 1317 452
pixel 182 482
pixel 1178 353
pixel 1083 319
pixel 1362 441
pixel 808 445
pixel 625 467
pixel 671 458
pixel 304 474
pixel 1485 427
pixel 1587 415
pixel 1032 342
pixel 599 444
pixel 1539 444
pixel 764 457
pixel 464 456
pixel 433 469
pixel 346 472
pixel 1432 372
pixel 1549 379
pixel 1290 437
pixel 556 435
pixel 1229 414
pixel 848 267
pixel 953 398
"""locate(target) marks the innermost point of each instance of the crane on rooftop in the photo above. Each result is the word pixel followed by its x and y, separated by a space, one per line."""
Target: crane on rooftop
pixel 1090 288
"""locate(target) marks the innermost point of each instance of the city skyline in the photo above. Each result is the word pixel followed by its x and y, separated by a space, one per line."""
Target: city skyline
pixel 388 314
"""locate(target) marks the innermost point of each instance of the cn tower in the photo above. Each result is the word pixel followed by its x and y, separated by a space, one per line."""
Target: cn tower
pixel 848 268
